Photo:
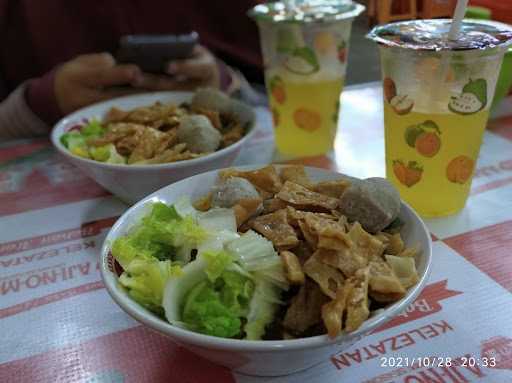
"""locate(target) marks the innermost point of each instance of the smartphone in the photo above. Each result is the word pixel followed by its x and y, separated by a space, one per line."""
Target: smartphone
pixel 152 52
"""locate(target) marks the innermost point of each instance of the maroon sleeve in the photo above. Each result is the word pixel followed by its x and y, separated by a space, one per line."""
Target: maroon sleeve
pixel 40 96
pixel 17 119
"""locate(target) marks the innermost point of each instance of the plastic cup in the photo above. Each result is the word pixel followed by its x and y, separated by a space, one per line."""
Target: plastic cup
pixel 305 58
pixel 437 97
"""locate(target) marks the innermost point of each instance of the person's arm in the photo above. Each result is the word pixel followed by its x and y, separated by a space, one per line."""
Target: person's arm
pixel 17 120
pixel 34 106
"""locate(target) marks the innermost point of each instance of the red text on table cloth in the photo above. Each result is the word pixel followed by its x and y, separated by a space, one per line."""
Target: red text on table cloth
pixel 391 344
pixel 501 167
pixel 45 254
pixel 86 230
pixel 42 277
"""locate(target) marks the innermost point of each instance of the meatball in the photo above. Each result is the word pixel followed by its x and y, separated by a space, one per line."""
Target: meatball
pixel 213 99
pixel 199 134
pixel 231 191
pixel 374 202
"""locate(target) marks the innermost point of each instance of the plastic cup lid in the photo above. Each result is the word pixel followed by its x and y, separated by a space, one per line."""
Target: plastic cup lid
pixel 432 35
pixel 312 11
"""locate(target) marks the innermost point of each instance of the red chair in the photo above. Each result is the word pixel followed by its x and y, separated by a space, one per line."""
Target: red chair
pixel 385 11
pixel 431 9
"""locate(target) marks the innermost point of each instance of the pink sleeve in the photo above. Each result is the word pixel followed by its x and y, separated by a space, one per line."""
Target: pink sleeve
pixel 17 120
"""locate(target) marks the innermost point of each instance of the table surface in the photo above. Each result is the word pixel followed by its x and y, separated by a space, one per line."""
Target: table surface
pixel 58 323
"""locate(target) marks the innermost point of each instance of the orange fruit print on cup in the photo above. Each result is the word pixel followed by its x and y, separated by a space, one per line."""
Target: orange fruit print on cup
pixel 307 119
pixel 277 89
pixel 459 169
pixel 428 144
pixel 409 174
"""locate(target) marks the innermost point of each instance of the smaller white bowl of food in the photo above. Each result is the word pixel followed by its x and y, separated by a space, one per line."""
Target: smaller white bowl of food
pixel 267 271
pixel 137 144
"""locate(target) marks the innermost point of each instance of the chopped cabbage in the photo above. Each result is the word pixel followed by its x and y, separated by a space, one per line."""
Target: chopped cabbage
pixel 262 308
pixel 107 153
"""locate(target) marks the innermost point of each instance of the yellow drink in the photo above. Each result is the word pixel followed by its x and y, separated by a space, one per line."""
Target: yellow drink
pixel 305 114
pixel 432 164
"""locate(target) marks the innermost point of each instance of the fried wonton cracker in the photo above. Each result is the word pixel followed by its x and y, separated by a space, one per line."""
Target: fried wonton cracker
pixel 294 215
pixel 177 153
pixel 275 227
pixel 393 243
pixel 115 115
pixel 167 140
pixel 332 189
pixel 116 132
pixel 309 235
pixel 292 267
pixel 404 268
pixel 147 145
pixel 366 245
pixel 327 277
pixel 303 198
pixel 296 174
pixel 265 178
pixel 345 260
pixel 273 204
pixel 332 235
pixel 412 251
pixel 383 279
pixel 150 114
pixel 357 304
pixel 246 208
pixel 332 312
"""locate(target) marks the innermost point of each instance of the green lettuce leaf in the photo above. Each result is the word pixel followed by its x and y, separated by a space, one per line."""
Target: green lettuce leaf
pixel 217 308
pixel 107 153
pixel 145 281
pixel 217 262
pixel 76 141
pixel 146 252
pixel 92 129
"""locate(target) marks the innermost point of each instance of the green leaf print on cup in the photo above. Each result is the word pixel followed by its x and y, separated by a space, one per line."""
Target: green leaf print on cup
pixel 302 61
pixel 424 137
pixel 472 99
pixel 411 134
pixel 277 89
pixel 408 174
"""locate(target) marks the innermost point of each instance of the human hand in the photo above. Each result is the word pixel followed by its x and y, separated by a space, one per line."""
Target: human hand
pixel 91 78
pixel 200 70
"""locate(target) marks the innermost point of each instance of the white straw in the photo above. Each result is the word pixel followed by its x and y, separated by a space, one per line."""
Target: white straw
pixel 458 15
pixel 453 34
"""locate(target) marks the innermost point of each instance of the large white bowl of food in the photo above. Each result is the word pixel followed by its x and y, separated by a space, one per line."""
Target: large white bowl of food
pixel 267 271
pixel 137 144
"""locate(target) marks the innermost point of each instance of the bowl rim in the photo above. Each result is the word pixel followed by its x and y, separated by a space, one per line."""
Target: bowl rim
pixel 56 134
pixel 144 316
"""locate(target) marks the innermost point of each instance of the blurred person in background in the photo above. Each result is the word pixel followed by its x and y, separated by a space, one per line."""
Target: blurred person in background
pixel 58 55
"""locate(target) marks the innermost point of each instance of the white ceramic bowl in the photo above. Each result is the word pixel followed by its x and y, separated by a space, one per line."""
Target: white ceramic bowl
pixel 133 182
pixel 263 358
